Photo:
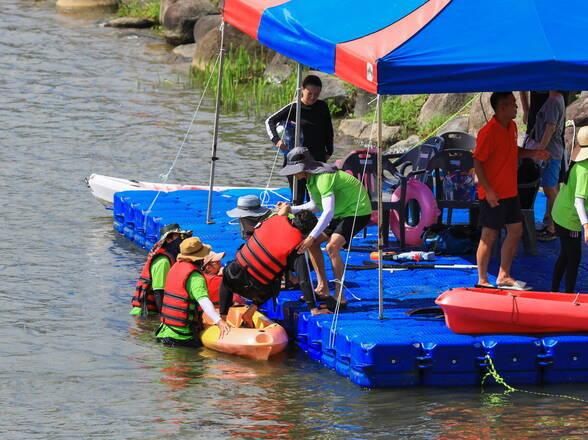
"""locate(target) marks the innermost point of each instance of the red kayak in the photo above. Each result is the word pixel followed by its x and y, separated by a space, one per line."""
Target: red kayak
pixel 479 310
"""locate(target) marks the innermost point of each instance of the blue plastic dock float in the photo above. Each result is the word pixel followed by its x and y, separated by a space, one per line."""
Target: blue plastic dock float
pixel 401 350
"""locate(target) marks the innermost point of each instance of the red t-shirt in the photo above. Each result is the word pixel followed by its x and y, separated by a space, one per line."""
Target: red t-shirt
pixel 497 149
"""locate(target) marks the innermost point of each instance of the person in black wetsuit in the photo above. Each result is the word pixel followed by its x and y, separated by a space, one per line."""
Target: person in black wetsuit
pixel 315 123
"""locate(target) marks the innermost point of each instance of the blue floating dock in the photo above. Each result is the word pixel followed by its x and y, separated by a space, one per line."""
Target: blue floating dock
pixel 400 350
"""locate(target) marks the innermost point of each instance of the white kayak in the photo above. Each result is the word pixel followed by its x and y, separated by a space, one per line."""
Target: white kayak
pixel 104 187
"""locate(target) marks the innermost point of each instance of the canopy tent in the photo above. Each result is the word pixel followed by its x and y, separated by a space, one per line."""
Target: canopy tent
pixel 427 46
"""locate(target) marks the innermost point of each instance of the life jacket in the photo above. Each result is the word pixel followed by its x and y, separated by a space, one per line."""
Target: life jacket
pixel 213 283
pixel 265 254
pixel 176 300
pixel 143 296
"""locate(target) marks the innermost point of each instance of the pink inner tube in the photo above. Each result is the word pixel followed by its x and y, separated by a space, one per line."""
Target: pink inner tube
pixel 420 192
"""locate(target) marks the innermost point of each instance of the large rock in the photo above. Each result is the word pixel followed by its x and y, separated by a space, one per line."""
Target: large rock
pixel 481 112
pixel 87 4
pixel 444 104
pixel 362 130
pixel 205 24
pixel 362 103
pixel 185 51
pixel 207 48
pixel 578 111
pixel 404 145
pixel 130 22
pixel 279 69
pixel 180 17
pixel 459 123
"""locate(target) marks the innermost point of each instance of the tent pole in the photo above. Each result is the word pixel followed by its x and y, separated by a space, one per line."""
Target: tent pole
pixel 295 200
pixel 380 210
pixel 213 157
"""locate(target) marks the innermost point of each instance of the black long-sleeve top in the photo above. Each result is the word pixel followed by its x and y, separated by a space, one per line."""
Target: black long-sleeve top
pixel 316 125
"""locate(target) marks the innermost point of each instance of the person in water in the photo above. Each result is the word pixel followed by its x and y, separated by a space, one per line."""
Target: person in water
pixel 569 216
pixel 346 209
pixel 185 287
pixel 149 289
pixel 257 269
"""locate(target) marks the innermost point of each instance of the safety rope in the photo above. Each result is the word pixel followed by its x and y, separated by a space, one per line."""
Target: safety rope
pixel 493 373
pixel 165 176
pixel 454 115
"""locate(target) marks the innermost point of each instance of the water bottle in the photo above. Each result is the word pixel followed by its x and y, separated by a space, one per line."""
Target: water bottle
pixel 287 132
pixel 414 256
pixel 447 187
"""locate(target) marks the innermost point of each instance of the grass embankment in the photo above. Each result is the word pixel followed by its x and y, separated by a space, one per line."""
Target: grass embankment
pixel 139 9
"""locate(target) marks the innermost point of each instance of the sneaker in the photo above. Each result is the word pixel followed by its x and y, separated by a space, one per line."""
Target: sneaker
pixel 545 236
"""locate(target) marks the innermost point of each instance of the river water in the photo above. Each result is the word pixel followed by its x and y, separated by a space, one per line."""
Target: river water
pixel 77 98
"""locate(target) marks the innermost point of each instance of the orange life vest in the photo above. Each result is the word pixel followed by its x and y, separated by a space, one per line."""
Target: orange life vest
pixel 176 300
pixel 265 254
pixel 143 296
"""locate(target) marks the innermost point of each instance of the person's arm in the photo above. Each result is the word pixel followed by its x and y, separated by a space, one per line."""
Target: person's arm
pixel 270 124
pixel 225 300
pixel 328 203
pixel 579 204
pixel 310 205
pixel 491 196
pixel 525 103
pixel 534 154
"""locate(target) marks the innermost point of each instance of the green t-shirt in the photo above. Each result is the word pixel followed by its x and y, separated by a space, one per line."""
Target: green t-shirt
pixel 564 212
pixel 160 266
pixel 196 287
pixel 346 188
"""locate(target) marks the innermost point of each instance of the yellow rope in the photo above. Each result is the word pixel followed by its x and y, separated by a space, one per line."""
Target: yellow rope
pixel 509 389
pixel 452 116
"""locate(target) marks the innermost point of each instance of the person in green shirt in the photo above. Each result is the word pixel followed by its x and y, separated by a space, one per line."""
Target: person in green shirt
pixel 185 289
pixel 346 209
pixel 149 289
pixel 569 216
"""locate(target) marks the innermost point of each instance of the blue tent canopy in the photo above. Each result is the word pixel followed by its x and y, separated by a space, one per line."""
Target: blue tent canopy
pixel 428 46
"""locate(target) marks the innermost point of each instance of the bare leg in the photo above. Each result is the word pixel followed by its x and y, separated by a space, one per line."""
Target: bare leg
pixel 551 194
pixel 487 240
pixel 318 262
pixel 514 232
pixel 334 246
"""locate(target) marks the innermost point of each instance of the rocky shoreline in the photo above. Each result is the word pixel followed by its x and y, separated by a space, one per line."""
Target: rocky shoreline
pixel 193 28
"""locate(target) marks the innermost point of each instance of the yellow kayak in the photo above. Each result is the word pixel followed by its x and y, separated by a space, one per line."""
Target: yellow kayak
pixel 264 340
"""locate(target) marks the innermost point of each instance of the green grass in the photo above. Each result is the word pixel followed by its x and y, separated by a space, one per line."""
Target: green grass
pixel 404 114
pixel 140 9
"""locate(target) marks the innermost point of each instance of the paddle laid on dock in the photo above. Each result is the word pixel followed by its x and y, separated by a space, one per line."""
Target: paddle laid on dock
pixel 408 266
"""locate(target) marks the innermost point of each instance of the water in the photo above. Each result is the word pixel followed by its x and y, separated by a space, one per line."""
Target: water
pixel 76 98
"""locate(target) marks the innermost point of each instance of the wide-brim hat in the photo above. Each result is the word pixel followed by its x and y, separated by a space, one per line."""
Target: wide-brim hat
pixel 299 160
pixel 213 256
pixel 166 230
pixel 192 249
pixel 580 152
pixel 248 206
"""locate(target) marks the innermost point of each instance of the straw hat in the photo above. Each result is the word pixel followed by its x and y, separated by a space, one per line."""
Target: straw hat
pixel 299 160
pixel 580 152
pixel 212 257
pixel 192 249
pixel 248 206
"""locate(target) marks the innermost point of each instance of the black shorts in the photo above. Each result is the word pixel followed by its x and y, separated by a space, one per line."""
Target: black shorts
pixel 507 212
pixel 344 226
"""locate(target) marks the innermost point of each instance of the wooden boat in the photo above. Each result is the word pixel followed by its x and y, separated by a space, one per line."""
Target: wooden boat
pixel 104 187
pixel 490 311
pixel 264 340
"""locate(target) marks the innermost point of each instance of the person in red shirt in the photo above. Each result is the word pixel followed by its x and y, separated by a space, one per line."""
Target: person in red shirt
pixel 495 161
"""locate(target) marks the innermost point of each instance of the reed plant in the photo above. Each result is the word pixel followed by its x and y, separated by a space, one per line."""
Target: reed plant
pixel 140 9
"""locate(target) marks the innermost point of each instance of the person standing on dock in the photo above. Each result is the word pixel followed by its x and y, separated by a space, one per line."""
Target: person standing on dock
pixel 149 289
pixel 256 272
pixel 569 217
pixel 186 287
pixel 315 125
pixel 495 162
pixel 346 209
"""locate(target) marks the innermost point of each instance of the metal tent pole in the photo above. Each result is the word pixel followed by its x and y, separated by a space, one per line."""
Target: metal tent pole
pixel 295 200
pixel 380 211
pixel 213 157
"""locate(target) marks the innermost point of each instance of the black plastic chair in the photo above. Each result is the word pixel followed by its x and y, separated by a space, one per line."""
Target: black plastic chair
pixel 416 159
pixel 458 140
pixel 362 164
pixel 445 163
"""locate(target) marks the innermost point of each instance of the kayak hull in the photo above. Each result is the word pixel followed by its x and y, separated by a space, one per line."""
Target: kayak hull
pixel 266 339
pixel 494 311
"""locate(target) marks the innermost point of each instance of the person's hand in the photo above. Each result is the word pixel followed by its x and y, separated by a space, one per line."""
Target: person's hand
pixel 540 154
pixel 305 245
pixel 492 198
pixel 282 145
pixel 224 327
pixel 585 233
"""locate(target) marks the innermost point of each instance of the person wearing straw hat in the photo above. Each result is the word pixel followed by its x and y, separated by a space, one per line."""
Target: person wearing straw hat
pixel 149 289
pixel 569 216
pixel 184 288
pixel 249 212
pixel 346 209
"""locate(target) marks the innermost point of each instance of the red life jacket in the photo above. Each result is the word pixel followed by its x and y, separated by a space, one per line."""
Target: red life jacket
pixel 143 296
pixel 213 283
pixel 265 254
pixel 176 300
